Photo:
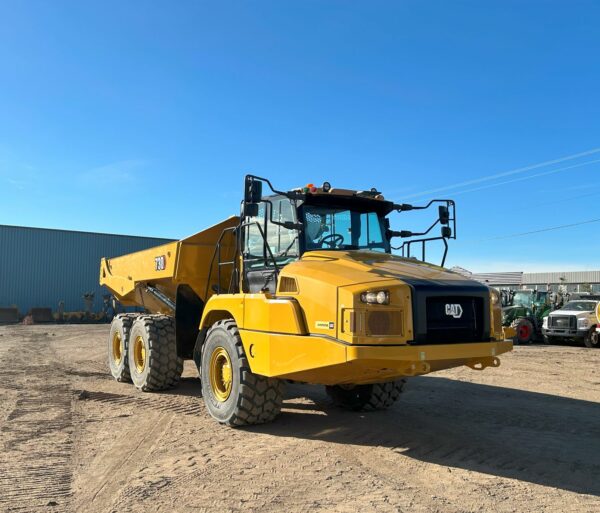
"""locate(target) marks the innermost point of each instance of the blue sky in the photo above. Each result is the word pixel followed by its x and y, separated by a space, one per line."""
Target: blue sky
pixel 142 117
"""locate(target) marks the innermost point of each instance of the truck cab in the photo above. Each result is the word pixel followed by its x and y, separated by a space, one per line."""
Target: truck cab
pixel 577 320
pixel 333 221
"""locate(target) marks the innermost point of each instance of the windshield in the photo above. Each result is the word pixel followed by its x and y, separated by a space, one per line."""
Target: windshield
pixel 522 298
pixel 342 228
pixel 580 306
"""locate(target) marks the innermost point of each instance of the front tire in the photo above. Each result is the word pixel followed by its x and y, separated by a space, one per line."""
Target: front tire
pixel 379 396
pixel 592 339
pixel 525 332
pixel 153 361
pixel 233 394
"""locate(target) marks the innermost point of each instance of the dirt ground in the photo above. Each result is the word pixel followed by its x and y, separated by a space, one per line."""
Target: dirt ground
pixel 521 438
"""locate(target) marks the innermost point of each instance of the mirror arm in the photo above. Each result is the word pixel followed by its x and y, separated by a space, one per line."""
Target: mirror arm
pixel 289 195
pixel 289 225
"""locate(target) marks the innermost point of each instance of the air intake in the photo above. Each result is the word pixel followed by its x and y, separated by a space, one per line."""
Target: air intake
pixel 288 285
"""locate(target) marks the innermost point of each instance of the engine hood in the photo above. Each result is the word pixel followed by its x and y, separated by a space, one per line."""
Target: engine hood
pixel 576 313
pixel 353 267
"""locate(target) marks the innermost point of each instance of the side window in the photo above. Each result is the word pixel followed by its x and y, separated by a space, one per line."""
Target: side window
pixel 282 241
pixel 253 240
pixel 371 235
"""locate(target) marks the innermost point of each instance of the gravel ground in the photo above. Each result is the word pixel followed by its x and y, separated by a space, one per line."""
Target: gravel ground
pixel 521 438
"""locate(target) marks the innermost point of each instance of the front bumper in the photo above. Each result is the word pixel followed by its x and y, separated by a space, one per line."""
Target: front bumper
pixel 329 361
pixel 564 332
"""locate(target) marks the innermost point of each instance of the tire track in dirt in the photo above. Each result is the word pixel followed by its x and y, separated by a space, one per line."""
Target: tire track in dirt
pixel 163 403
pixel 36 434
pixel 450 445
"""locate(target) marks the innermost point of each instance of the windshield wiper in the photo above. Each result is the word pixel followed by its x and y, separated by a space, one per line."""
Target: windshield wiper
pixel 286 251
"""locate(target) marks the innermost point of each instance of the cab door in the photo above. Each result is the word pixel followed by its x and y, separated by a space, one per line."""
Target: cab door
pixel 268 246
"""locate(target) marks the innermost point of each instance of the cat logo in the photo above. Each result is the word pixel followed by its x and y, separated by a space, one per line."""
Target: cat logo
pixel 455 311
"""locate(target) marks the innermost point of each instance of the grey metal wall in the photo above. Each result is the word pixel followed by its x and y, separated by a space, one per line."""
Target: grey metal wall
pixel 573 280
pixel 40 267
pixel 567 277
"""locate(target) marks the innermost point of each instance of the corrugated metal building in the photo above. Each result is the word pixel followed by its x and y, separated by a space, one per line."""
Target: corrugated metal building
pixel 574 281
pixel 40 267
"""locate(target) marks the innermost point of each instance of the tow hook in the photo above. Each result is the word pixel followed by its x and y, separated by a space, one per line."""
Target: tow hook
pixel 482 363
pixel 416 368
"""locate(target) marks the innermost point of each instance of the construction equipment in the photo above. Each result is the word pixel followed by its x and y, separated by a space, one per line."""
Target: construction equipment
pixel 302 286
pixel 523 316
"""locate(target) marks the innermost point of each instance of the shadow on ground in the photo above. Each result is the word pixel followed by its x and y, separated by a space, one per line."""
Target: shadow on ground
pixel 540 438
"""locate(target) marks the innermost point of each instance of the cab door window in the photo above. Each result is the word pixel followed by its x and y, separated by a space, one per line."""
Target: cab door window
pixel 282 241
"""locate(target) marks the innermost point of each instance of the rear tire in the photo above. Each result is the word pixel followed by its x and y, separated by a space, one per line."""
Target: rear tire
pixel 153 361
pixel 233 394
pixel 592 339
pixel 118 345
pixel 379 396
pixel 525 332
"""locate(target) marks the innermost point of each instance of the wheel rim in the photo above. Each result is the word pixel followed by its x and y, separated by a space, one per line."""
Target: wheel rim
pixel 117 351
pixel 524 332
pixel 220 374
pixel 139 354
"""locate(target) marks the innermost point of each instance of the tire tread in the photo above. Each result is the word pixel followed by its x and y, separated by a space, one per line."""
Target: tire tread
pixel 260 398
pixel 165 367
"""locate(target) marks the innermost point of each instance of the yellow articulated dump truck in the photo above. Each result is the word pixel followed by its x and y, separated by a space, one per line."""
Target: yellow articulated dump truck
pixel 302 286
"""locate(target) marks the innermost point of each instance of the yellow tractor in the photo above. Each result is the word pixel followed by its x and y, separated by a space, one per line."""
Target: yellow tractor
pixel 302 286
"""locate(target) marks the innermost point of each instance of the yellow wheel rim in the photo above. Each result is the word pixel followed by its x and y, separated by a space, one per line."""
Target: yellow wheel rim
pixel 220 374
pixel 139 354
pixel 117 350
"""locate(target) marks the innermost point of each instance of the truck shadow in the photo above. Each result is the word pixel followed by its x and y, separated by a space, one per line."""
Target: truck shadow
pixel 539 438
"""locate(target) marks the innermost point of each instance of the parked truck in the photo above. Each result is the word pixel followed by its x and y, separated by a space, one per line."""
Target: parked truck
pixel 577 320
pixel 302 286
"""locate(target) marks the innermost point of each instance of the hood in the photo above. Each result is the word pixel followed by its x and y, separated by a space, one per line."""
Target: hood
pixel 576 313
pixel 360 266
pixel 511 308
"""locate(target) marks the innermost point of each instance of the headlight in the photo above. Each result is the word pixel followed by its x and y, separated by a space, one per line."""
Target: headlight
pixel 377 297
pixel 545 322
pixel 582 323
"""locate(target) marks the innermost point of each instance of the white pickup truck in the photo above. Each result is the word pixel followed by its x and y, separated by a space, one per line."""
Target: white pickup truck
pixel 576 320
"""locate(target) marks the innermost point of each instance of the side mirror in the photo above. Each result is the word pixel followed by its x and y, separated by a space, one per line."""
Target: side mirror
pixel 444 214
pixel 253 190
pixel 446 232
pixel 250 209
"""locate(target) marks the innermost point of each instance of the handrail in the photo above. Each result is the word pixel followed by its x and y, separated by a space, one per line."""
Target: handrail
pixel 217 255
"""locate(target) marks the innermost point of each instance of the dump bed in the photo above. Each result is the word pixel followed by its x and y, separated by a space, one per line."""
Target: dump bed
pixel 144 277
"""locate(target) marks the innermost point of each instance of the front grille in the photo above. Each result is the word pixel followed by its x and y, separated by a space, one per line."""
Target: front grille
pixel 563 321
pixel 436 323
pixel 384 323
pixel 454 319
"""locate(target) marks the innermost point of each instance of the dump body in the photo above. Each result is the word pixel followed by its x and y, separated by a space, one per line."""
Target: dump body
pixel 164 268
